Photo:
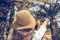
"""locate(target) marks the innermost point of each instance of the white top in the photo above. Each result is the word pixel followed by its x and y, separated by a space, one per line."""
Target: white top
pixel 38 34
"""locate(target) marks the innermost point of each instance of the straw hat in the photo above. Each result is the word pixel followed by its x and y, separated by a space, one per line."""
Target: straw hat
pixel 23 20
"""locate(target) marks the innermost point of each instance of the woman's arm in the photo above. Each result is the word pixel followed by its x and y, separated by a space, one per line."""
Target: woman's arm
pixel 40 33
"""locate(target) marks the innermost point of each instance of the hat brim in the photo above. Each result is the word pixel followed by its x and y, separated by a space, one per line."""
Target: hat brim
pixel 19 27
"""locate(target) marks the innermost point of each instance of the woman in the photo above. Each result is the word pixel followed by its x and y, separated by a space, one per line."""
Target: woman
pixel 24 25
